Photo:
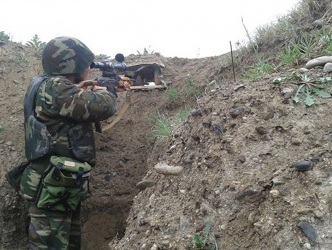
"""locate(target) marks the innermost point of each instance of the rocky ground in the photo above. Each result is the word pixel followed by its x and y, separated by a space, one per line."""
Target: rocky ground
pixel 240 155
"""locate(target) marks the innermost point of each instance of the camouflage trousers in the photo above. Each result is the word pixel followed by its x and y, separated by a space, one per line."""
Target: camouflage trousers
pixel 54 230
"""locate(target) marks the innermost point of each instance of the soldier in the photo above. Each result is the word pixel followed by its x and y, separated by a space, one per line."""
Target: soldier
pixel 59 110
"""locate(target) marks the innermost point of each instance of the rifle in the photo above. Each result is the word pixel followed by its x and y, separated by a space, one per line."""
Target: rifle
pixel 120 113
pixel 112 84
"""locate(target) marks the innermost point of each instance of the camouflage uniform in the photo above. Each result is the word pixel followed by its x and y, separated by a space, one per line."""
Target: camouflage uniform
pixel 61 106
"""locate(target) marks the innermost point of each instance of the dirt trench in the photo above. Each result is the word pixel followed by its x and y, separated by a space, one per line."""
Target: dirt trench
pixel 125 153
pixel 122 159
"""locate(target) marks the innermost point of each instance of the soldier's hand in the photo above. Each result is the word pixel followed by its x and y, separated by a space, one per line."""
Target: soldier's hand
pixel 87 83
pixel 96 87
pixel 124 84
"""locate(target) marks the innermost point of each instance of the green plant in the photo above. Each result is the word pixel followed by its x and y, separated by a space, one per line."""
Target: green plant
pixel 183 115
pixel 102 57
pixel 192 90
pixel 290 56
pixel 302 46
pixel 4 37
pixel 202 241
pixel 258 70
pixel 21 58
pixel 307 88
pixel 2 128
pixel 172 94
pixel 162 126
pixel 146 51
pixel 326 40
pixel 36 44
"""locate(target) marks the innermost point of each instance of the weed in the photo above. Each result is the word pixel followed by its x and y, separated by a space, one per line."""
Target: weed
pixel 325 40
pixel 202 241
pixel 162 126
pixel 290 56
pixel 2 128
pixel 192 90
pixel 308 87
pixel 36 44
pixel 146 51
pixel 21 58
pixel 172 94
pixel 303 47
pixel 258 70
pixel 102 57
pixel 306 45
pixel 4 37
pixel 183 115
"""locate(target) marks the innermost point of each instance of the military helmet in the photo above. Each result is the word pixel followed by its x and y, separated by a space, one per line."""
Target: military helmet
pixel 66 55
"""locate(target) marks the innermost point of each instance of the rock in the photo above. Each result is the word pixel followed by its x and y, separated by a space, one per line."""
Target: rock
pixel 261 130
pixel 218 128
pixel 327 68
pixel 242 158
pixel 188 160
pixel 308 230
pixel 206 122
pixel 236 112
pixel 319 23
pixel 184 223
pixel 303 165
pixel 165 169
pixel 277 181
pixel 296 141
pixel 145 184
pixel 319 61
pixel 303 70
pixel 196 112
pixel 236 88
pixel 275 193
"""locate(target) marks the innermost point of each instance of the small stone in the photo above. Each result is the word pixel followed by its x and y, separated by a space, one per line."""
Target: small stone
pixel 145 184
pixel 303 70
pixel 296 141
pixel 277 181
pixel 319 23
pixel 218 128
pixel 307 245
pixel 261 130
pixel 266 137
pixel 327 68
pixel 236 88
pixel 184 223
pixel 165 169
pixel 154 247
pixel 196 112
pixel 236 112
pixel 274 193
pixel 187 161
pixel 303 165
pixel 242 158
pixel 319 214
pixel 308 230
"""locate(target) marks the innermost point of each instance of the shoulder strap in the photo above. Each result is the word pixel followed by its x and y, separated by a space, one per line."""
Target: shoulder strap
pixel 30 96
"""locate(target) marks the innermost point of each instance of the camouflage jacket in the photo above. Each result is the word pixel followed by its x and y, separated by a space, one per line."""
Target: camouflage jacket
pixel 68 112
